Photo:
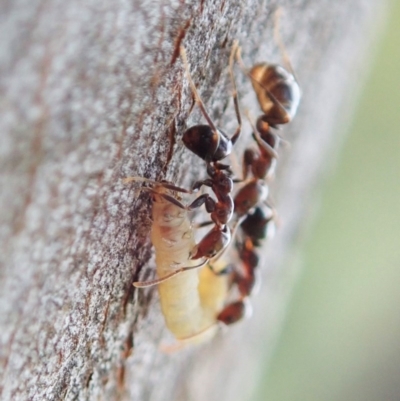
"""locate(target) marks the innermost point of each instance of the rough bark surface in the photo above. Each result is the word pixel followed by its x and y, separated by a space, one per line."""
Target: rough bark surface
pixel 94 91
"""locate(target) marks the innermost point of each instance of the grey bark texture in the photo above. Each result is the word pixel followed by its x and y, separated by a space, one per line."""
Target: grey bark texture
pixel 94 91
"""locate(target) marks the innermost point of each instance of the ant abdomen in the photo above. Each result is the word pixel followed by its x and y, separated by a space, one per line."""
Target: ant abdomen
pixel 277 91
pixel 257 225
pixel 213 242
pixel 233 312
pixel 209 144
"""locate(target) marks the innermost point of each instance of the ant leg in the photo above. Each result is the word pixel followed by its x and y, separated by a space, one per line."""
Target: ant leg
pixel 176 189
pixel 167 197
pixel 203 199
pixel 198 184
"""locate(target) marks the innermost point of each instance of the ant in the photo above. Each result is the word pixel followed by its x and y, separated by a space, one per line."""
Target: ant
pixel 212 145
pixel 278 94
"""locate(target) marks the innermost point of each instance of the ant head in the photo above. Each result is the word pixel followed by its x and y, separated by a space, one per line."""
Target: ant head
pixel 210 145
pixel 277 91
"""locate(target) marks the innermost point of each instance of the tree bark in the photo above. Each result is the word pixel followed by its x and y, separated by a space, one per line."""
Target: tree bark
pixel 92 92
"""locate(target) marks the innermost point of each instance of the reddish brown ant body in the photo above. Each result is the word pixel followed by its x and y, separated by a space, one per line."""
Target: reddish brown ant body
pixel 212 145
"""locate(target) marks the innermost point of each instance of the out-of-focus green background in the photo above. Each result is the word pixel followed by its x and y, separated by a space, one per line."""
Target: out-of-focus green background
pixel 341 338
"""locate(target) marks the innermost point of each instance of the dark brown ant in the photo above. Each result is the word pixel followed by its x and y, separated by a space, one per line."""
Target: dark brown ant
pixel 278 94
pixel 212 145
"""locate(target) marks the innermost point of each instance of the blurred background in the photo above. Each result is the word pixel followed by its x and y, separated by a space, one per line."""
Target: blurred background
pixel 341 337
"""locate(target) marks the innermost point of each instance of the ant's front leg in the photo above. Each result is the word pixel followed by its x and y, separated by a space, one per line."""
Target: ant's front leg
pixel 204 199
pixel 198 184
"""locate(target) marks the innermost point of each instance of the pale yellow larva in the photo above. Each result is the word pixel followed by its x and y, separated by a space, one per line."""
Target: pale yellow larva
pixel 191 300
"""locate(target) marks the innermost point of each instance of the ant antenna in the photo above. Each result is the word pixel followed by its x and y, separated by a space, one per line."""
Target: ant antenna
pixel 234 50
pixel 164 184
pixel 194 90
pixel 151 283
pixel 278 39
pixel 127 180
